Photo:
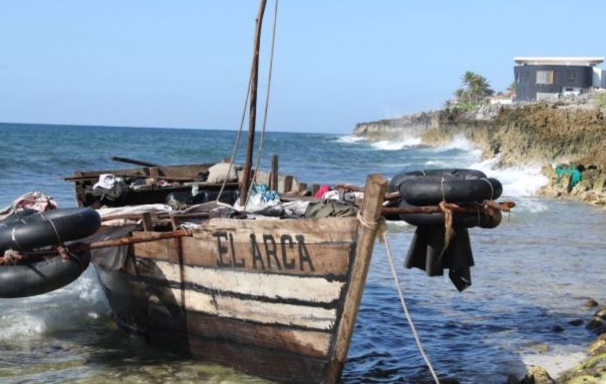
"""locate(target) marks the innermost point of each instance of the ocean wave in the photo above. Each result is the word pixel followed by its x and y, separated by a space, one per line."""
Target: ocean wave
pixel 388 145
pixel 517 181
pixel 459 142
pixel 350 139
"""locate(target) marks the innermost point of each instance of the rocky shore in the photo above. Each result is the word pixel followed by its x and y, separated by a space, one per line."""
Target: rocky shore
pixel 561 137
pixel 570 131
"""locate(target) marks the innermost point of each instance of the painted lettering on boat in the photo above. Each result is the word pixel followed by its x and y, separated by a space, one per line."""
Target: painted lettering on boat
pixel 288 252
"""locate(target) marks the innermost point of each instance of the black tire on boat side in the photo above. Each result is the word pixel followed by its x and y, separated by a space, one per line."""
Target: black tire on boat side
pixel 30 231
pixel 41 277
pixel 461 220
pixel 431 190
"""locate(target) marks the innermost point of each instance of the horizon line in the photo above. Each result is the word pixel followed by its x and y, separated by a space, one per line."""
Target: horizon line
pixel 156 127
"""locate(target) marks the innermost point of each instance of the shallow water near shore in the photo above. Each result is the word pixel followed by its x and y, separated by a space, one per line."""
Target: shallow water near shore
pixel 532 273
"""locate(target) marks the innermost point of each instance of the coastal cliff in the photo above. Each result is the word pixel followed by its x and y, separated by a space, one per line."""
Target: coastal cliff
pixel 570 131
pixel 398 128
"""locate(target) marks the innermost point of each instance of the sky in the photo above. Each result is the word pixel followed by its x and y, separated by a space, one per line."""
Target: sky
pixel 185 64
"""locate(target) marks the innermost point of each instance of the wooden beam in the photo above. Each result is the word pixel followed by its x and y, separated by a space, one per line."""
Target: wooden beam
pixel 273 180
pixel 371 211
pixel 252 112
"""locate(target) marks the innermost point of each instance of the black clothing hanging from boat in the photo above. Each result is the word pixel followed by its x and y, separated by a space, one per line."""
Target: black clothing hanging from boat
pixel 427 252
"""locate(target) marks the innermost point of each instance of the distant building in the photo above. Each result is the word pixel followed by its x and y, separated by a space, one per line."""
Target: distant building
pixel 502 98
pixel 540 78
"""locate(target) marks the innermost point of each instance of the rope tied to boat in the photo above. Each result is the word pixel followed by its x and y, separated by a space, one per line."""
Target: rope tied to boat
pixel 11 257
pixel 447 211
pixel 380 227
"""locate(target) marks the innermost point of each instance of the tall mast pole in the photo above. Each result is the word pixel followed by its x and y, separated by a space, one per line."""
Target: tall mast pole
pixel 253 105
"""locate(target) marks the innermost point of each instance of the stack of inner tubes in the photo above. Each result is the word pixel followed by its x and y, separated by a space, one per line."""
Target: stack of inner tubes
pixel 429 249
pixel 466 187
pixel 30 231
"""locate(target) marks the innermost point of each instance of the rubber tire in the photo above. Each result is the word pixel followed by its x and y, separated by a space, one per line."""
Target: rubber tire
pixel 460 220
pixel 41 277
pixel 25 232
pixel 464 174
pixel 431 190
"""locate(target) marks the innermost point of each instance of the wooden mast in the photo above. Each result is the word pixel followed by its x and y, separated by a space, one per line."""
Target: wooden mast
pixel 253 105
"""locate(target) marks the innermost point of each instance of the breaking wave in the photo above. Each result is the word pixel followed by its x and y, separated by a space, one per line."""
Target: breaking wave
pixel 388 145
pixel 517 181
pixel 350 139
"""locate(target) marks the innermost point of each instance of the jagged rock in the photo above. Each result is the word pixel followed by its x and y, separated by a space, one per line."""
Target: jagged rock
pixel 601 313
pixel 596 325
pixel 591 303
pixel 598 347
pixel 512 379
pixel 537 375
pixel 590 371
pixel 570 130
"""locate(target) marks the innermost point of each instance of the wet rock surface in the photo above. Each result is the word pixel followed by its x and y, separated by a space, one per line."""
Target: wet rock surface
pixel 537 375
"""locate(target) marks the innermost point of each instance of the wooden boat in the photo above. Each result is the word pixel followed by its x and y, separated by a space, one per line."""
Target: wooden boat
pixel 273 298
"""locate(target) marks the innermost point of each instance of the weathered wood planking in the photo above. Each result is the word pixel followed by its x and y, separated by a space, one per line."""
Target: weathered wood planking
pixel 222 281
pixel 279 365
pixel 296 341
pixel 317 318
pixel 159 309
pixel 298 247
pixel 370 214
pixel 274 298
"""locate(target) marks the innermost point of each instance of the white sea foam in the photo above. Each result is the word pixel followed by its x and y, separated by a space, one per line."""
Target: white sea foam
pixel 67 308
pixel 21 326
pixel 435 163
pixel 517 181
pixel 350 139
pixel 459 142
pixel 555 362
pixel 388 145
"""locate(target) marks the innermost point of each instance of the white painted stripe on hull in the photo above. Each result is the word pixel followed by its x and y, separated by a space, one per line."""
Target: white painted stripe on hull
pixel 258 311
pixel 311 289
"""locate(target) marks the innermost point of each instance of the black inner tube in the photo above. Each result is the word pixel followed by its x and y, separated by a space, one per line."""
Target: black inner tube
pixel 431 190
pixel 463 174
pixel 27 231
pixel 42 276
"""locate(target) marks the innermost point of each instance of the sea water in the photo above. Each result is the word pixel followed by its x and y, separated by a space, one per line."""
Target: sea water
pixel 532 274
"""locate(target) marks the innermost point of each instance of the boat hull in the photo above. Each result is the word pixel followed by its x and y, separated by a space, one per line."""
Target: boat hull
pixel 266 297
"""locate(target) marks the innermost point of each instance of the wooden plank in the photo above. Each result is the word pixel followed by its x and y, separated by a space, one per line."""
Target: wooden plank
pixel 272 286
pixel 303 342
pixel 147 222
pixel 272 364
pixel 273 180
pixel 371 211
pixel 161 311
pixel 288 179
pixel 315 318
pixel 290 256
pixel 315 230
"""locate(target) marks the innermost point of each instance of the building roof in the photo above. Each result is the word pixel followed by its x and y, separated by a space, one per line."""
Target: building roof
pixel 584 61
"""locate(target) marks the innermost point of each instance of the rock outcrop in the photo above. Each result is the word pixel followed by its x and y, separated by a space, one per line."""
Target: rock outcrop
pixel 569 131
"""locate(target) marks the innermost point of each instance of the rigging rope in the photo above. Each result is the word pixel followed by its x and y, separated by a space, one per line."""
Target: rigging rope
pixel 239 135
pixel 265 110
pixel 405 307
pixel 381 228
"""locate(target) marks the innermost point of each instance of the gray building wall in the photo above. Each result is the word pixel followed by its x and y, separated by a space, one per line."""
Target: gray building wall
pixel 564 76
